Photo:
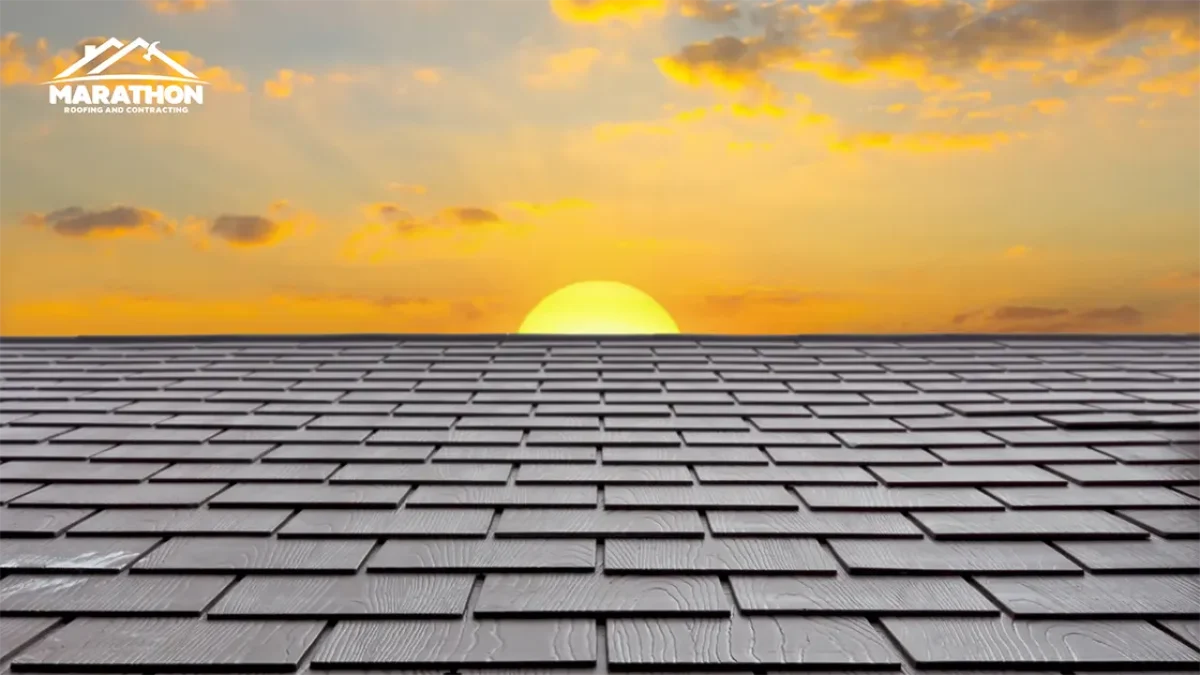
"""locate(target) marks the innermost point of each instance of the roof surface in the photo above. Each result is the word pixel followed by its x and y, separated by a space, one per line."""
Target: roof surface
pixel 561 506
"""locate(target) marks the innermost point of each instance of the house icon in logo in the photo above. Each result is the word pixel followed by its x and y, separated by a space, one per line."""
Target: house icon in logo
pixel 93 52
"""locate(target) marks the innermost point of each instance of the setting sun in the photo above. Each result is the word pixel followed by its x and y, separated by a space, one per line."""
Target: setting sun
pixel 598 307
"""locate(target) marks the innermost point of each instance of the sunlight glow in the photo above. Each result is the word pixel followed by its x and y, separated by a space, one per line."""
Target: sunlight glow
pixel 598 307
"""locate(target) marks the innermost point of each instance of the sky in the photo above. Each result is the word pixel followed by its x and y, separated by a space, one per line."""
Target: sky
pixel 394 166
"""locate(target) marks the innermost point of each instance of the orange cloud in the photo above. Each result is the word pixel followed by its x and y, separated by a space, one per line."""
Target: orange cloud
pixel 1180 83
pixel 427 75
pixel 565 69
pixel 924 141
pixel 285 83
pixel 181 6
pixel 630 12
pixel 729 63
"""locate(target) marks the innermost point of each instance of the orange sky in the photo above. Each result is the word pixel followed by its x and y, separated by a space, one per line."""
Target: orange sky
pixel 756 167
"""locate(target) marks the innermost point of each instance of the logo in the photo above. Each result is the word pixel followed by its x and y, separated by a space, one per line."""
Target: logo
pixel 98 91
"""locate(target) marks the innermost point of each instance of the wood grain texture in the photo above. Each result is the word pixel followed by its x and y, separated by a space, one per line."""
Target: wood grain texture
pixel 371 454
pixel 1097 597
pixel 121 495
pixel 76 472
pixel 252 555
pixel 1057 644
pixel 18 522
pixel 245 473
pixel 762 641
pixel 497 496
pixel 1170 523
pixel 496 555
pixel 597 523
pixel 859 596
pixel 1187 630
pixel 170 645
pixel 522 454
pixel 851 456
pixel 753 497
pixel 93 554
pixel 420 474
pixel 597 475
pixel 576 595
pixel 1027 455
pixel 811 524
pixel 182 452
pixel 965 476
pixel 897 499
pixel 785 475
pixel 926 557
pixel 1026 525
pixel 1115 474
pixel 17 632
pixel 298 496
pixel 1077 497
pixel 362 596
pixel 375 523
pixel 1136 556
pixel 93 595
pixel 181 522
pixel 686 455
pixel 718 556
pixel 388 644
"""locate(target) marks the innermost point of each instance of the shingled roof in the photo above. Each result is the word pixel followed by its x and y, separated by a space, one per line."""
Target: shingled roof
pixel 521 505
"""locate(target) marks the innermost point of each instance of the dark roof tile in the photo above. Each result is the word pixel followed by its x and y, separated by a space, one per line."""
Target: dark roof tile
pixel 516 505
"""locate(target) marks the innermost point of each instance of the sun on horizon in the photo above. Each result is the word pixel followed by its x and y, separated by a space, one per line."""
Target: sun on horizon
pixel 598 307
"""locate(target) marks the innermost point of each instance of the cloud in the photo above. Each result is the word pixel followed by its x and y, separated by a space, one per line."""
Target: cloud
pixel 469 215
pixel 285 83
pixel 1016 252
pixel 1014 112
pixel 248 230
pixel 427 75
pixel 1105 69
pixel 24 65
pixel 1123 315
pixel 401 221
pixel 1036 319
pixel 564 70
pixel 924 141
pixel 933 42
pixel 629 12
pixel 1024 313
pixel 1180 83
pixel 1049 106
pixel 709 10
pixel 729 63
pixel 181 6
pixel 114 222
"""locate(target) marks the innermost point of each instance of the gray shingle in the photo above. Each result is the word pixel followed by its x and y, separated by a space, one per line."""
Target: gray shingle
pixel 170 645
pixel 516 505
